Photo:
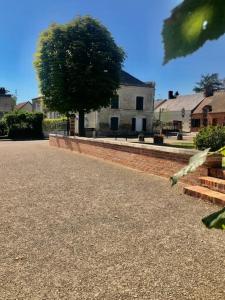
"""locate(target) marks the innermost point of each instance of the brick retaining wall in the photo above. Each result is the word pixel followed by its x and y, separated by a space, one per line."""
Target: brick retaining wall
pixel 157 160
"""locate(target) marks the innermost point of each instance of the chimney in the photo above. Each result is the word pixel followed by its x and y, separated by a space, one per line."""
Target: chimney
pixel 176 94
pixel 170 95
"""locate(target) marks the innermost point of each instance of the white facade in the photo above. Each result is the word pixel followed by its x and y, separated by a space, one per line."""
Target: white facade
pixel 126 112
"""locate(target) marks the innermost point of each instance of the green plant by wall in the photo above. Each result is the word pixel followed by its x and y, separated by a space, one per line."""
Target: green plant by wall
pixel 212 137
pixel 53 124
pixel 24 125
pixel 3 127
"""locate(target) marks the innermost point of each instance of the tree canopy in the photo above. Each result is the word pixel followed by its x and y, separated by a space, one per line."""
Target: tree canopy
pixel 208 84
pixel 190 25
pixel 78 66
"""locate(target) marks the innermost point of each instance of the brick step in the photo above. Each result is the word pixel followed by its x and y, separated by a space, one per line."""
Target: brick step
pixel 205 194
pixel 217 172
pixel 213 183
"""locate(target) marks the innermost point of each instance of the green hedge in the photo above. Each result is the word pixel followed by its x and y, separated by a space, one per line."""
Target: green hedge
pixel 24 125
pixel 54 124
pixel 212 137
pixel 3 127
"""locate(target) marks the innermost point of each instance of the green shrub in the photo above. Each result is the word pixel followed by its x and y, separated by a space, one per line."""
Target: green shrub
pixel 24 125
pixel 212 137
pixel 3 127
pixel 54 124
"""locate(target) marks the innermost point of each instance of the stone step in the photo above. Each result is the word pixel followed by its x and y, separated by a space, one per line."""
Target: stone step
pixel 217 172
pixel 205 194
pixel 213 183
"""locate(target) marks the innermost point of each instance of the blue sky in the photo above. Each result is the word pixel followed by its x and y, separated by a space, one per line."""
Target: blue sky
pixel 135 24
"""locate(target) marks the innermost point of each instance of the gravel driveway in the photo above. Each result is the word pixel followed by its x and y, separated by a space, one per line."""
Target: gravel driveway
pixel 73 227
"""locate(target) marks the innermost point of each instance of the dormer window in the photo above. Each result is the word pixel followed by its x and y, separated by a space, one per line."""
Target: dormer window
pixel 115 102
pixel 206 109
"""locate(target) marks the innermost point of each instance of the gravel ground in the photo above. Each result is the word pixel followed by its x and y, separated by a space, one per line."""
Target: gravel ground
pixel 73 227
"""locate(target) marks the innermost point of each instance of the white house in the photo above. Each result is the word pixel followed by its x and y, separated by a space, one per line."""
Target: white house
pixel 178 111
pixel 131 110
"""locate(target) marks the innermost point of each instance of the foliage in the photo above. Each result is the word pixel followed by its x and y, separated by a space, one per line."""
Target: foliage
pixel 52 124
pixel 194 162
pixel 190 25
pixel 24 124
pixel 208 84
pixel 3 127
pixel 215 220
pixel 212 137
pixel 78 65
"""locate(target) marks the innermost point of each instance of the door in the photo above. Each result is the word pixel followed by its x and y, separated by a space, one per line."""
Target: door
pixel 139 123
pixel 114 123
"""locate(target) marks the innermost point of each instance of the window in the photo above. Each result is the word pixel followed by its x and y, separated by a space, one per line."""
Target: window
pixel 115 102
pixel 139 103
pixel 114 123
pixel 195 123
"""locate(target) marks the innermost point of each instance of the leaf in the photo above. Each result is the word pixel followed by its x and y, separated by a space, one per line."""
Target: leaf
pixel 190 25
pixel 215 220
pixel 194 162
pixel 222 151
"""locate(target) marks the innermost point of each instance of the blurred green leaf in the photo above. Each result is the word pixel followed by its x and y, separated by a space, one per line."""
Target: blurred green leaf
pixel 190 25
pixel 215 220
pixel 222 151
pixel 194 162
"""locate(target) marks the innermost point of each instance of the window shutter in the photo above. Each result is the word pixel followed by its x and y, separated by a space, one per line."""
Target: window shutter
pixel 133 126
pixel 144 124
pixel 114 123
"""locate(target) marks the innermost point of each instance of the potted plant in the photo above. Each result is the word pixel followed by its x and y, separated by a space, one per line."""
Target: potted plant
pixel 158 139
pixel 141 137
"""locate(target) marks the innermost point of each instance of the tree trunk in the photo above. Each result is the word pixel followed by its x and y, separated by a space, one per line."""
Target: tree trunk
pixel 72 125
pixel 81 123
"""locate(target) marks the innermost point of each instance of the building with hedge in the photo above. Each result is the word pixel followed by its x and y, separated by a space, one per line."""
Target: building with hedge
pixel 39 106
pixel 211 111
pixel 131 110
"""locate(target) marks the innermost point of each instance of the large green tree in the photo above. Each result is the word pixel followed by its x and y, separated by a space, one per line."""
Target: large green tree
pixel 208 84
pixel 78 66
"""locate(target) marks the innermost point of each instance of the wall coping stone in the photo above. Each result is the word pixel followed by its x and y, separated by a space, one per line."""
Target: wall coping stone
pixel 133 145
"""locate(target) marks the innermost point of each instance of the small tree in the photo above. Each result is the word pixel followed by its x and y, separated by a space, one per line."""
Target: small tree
pixel 208 84
pixel 78 65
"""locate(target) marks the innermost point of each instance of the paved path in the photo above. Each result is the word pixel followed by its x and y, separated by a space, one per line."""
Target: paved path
pixel 72 227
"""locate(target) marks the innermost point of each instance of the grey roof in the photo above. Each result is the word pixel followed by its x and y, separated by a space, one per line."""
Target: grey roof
pixel 127 79
pixel 157 103
pixel 188 102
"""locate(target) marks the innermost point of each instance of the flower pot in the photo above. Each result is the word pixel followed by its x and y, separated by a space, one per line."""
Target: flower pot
pixel 214 161
pixel 141 137
pixel 158 139
pixel 179 136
